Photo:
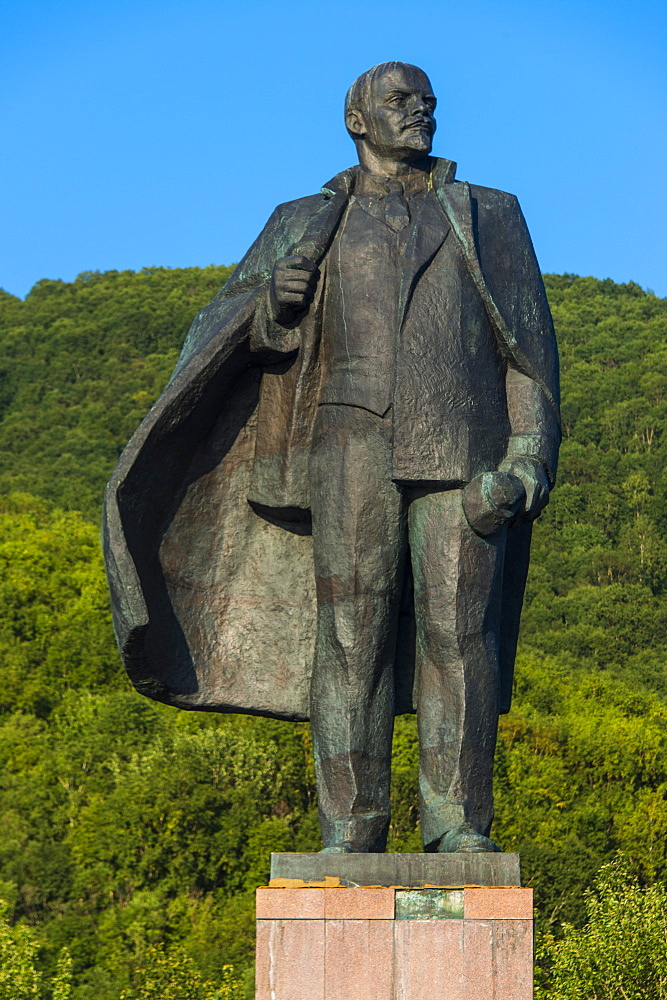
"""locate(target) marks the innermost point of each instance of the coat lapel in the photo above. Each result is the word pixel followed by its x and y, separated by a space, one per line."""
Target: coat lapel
pixel 455 202
pixel 322 224
pixel 428 233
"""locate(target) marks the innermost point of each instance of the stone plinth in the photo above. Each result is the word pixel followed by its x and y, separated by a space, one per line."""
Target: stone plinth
pixel 392 941
pixel 400 869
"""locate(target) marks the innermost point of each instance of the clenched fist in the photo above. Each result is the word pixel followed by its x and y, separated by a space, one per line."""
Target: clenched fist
pixel 293 285
pixel 534 480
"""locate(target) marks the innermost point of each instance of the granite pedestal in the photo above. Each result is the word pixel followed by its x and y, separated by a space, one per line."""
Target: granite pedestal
pixel 394 927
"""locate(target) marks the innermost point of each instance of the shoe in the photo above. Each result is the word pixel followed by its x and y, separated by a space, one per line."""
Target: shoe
pixel 464 841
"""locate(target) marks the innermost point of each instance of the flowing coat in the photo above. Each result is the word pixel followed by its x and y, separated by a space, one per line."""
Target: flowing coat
pixel 206 524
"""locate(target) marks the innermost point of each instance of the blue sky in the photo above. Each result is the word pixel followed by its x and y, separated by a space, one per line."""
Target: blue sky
pixel 163 133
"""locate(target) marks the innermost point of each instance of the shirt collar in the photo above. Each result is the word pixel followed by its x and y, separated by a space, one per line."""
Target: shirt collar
pixel 367 184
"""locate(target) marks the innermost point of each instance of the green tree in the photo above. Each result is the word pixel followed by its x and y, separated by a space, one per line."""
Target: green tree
pixel 622 950
pixel 174 976
pixel 55 623
pixel 20 979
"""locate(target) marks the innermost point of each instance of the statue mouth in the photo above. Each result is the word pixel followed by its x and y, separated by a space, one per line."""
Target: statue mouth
pixel 422 125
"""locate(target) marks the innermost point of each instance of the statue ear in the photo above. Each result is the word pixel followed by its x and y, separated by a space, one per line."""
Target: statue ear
pixel 355 124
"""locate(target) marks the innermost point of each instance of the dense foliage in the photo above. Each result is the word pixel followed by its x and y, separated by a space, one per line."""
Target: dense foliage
pixel 81 364
pixel 134 834
pixel 622 950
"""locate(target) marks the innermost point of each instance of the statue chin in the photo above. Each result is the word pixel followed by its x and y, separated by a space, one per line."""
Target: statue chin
pixel 420 143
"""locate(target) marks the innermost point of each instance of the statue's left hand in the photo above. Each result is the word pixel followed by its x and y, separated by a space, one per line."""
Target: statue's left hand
pixel 535 482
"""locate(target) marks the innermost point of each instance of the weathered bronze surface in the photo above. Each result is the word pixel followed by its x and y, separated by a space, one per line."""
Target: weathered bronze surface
pixel 327 513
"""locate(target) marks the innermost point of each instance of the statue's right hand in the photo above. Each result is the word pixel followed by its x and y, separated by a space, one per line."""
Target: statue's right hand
pixel 293 284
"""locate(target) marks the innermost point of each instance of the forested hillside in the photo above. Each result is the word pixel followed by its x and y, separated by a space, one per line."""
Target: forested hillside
pixel 133 831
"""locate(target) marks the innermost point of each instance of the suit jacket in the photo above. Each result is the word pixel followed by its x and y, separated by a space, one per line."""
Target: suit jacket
pixel 214 606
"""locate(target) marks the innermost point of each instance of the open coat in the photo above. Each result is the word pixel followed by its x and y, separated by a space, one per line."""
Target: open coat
pixel 206 524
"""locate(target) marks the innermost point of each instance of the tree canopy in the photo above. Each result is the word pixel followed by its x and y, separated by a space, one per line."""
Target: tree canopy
pixel 134 834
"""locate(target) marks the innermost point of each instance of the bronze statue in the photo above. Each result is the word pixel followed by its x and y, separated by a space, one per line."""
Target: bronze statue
pixel 327 513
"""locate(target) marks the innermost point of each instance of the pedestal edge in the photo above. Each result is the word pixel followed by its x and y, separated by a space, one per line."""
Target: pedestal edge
pixel 409 870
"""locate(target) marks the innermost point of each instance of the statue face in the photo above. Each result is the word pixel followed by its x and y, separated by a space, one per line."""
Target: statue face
pixel 398 117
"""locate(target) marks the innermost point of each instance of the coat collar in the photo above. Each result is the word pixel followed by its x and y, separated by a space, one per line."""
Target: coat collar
pixel 442 172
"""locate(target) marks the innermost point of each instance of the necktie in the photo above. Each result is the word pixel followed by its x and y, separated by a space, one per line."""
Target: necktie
pixel 396 212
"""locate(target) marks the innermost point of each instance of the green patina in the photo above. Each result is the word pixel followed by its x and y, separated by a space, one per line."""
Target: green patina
pixel 429 904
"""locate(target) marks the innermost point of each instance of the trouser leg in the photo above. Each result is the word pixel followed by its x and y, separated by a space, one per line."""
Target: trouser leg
pixel 359 541
pixel 458 585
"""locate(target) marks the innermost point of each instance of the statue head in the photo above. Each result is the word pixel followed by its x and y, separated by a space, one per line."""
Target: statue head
pixel 389 112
